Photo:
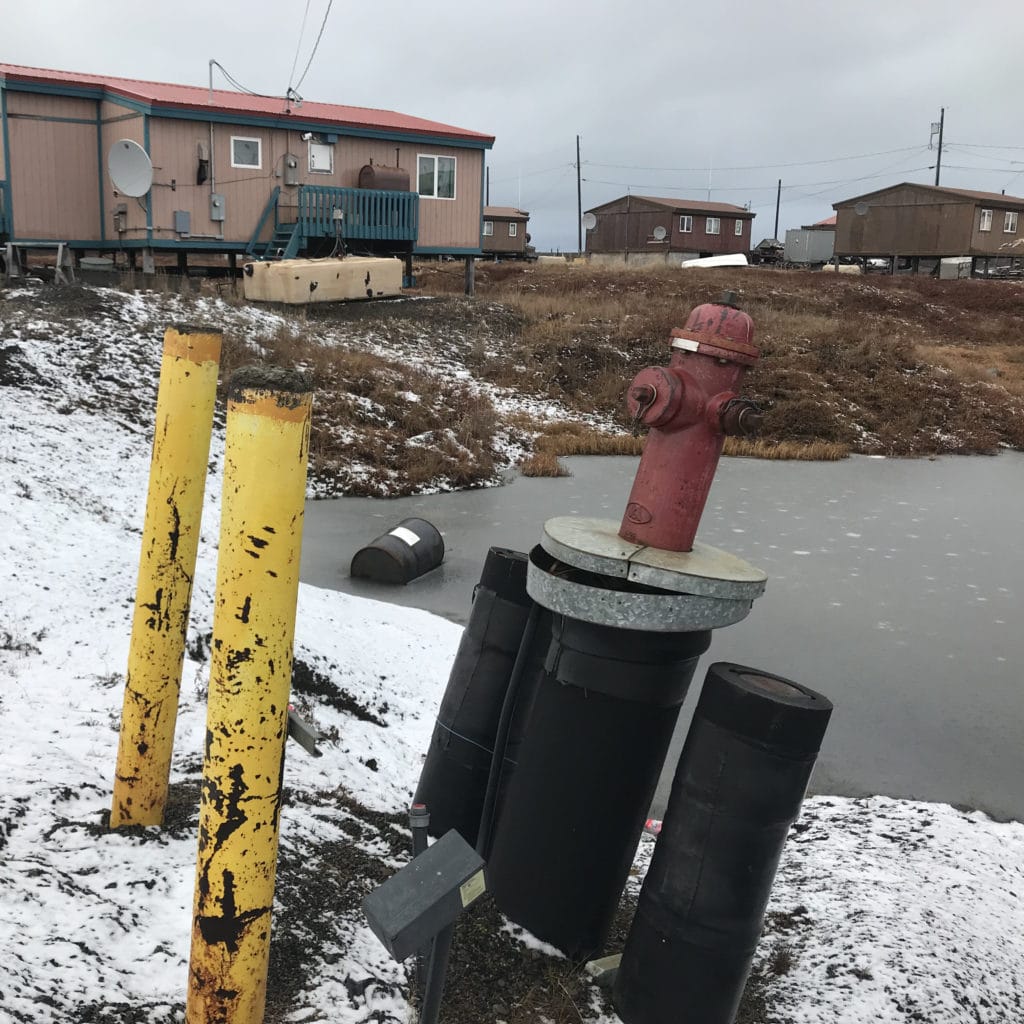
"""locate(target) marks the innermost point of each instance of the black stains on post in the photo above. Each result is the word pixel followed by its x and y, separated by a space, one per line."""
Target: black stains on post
pixel 243 612
pixel 269 529
pixel 175 535
pixel 236 658
pixel 258 542
pixel 160 619
pixel 142 748
pixel 228 926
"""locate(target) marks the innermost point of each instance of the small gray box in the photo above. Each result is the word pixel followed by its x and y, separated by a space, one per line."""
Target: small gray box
pixel 183 222
pixel 217 206
pixel 430 892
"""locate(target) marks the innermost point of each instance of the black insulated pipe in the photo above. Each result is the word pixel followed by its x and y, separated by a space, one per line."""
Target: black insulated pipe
pixel 737 790
pixel 453 783
pixel 600 710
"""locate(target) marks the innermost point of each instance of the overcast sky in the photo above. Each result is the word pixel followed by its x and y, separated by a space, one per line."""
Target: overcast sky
pixel 669 97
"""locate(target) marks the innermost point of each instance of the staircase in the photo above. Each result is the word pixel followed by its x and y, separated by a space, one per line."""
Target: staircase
pixel 284 245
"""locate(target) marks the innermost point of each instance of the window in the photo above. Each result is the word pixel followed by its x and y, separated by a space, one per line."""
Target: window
pixel 488 228
pixel 712 225
pixel 739 227
pixel 1010 222
pixel 686 224
pixel 437 177
pixel 321 158
pixel 986 220
pixel 246 152
pixel 513 229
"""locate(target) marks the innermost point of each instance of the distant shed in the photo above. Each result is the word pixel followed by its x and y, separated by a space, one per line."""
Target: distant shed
pixel 504 231
pixel 813 243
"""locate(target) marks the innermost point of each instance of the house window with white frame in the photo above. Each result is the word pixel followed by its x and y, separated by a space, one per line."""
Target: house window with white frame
pixel 513 229
pixel 712 225
pixel 739 227
pixel 1010 222
pixel 488 228
pixel 686 224
pixel 436 176
pixel 246 152
pixel 986 221
pixel 321 158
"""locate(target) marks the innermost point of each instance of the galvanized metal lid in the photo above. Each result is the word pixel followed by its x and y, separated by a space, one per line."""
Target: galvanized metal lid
pixel 594 545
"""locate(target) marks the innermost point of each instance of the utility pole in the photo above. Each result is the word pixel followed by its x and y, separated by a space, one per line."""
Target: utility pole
pixel 941 124
pixel 579 200
pixel 778 200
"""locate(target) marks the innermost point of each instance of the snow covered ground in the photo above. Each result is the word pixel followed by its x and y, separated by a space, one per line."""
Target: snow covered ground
pixel 883 910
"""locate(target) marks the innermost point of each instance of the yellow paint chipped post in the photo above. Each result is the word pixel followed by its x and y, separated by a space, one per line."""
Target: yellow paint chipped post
pixel 267 449
pixel 170 537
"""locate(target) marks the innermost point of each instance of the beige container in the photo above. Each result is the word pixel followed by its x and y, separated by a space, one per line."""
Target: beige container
pixel 296 282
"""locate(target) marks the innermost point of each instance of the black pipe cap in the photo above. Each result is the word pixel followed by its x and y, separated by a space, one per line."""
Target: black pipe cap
pixel 775 712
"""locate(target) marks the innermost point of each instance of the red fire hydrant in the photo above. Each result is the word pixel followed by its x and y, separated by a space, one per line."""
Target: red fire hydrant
pixel 690 405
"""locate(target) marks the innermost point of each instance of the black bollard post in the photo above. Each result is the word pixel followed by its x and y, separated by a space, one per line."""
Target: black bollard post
pixel 603 706
pixel 737 790
pixel 453 783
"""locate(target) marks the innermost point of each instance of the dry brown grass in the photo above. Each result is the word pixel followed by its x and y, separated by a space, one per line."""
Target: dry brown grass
pixel 543 464
pixel 579 439
pixel 816 451
pixel 896 365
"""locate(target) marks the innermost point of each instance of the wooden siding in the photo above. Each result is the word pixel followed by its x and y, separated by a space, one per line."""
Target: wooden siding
pixel 500 242
pixel 908 221
pixel 629 226
pixel 54 167
pixel 60 198
pixel 119 122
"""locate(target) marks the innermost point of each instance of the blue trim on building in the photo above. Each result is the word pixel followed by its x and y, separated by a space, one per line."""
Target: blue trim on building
pixel 483 174
pixel 437 250
pixel 8 201
pixel 149 194
pixel 55 120
pixel 283 122
pixel 99 167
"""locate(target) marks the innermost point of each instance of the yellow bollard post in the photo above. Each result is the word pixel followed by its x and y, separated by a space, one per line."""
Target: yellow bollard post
pixel 250 680
pixel 170 537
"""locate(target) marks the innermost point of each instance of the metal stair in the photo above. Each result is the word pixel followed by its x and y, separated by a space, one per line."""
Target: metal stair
pixel 284 245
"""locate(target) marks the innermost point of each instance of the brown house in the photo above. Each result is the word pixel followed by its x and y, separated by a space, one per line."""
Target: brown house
pixel 504 231
pixel 231 172
pixel 927 221
pixel 634 225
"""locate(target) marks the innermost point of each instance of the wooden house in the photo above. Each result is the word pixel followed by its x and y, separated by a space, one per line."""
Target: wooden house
pixel 914 223
pixel 635 225
pixel 231 172
pixel 504 231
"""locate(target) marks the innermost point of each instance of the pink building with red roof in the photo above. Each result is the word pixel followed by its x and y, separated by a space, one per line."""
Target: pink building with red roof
pixel 231 172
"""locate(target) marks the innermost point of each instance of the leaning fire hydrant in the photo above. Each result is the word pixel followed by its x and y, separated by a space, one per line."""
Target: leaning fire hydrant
pixel 690 406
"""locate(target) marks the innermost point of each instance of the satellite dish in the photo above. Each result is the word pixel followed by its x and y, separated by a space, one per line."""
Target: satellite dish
pixel 589 221
pixel 659 233
pixel 860 209
pixel 130 168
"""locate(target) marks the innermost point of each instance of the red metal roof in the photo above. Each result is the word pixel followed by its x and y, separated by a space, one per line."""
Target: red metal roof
pixel 508 212
pixel 686 206
pixel 191 97
pixel 828 222
pixel 995 198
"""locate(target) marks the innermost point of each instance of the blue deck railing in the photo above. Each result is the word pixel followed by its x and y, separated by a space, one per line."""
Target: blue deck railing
pixel 368 213
pixel 3 208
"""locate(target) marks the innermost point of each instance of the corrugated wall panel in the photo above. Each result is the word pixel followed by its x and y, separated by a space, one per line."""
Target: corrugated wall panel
pixel 121 123
pixel 54 179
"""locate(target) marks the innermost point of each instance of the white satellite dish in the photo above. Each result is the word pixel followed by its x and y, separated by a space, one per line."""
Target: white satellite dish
pixel 659 233
pixel 589 221
pixel 130 168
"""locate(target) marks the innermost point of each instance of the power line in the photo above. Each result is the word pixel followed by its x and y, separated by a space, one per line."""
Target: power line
pixel 755 167
pixel 298 45
pixel 752 188
pixel 238 85
pixel 316 45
